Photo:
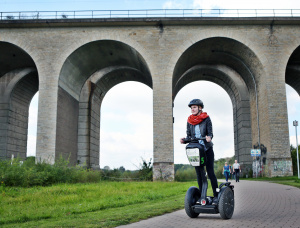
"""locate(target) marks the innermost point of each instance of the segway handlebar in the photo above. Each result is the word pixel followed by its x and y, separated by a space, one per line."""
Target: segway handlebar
pixel 188 140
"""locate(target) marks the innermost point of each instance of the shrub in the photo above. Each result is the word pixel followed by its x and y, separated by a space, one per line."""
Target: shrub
pixel 145 172
pixel 294 159
pixel 188 173
pixel 185 174
pixel 43 174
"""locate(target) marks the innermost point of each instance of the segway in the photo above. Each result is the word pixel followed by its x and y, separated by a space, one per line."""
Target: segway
pixel 197 202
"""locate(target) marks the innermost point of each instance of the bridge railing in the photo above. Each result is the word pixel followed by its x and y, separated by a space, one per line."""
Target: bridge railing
pixel 91 14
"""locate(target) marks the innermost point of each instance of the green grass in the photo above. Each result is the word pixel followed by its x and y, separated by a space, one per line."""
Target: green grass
pixel 291 183
pixel 291 180
pixel 105 204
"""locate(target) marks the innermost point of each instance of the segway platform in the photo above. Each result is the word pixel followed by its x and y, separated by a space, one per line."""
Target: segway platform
pixel 208 209
pixel 197 202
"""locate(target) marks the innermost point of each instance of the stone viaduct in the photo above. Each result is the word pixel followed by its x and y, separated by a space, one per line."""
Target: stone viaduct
pixel 73 63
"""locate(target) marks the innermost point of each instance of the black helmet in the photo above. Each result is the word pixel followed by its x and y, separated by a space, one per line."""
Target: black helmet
pixel 197 102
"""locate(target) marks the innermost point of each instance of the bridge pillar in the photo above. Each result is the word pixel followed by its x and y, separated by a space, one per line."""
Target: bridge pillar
pixel 89 126
pixel 163 157
pixel 47 116
pixel 276 158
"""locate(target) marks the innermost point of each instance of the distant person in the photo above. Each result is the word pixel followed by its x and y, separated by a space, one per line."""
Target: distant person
pixel 226 171
pixel 237 170
pixel 231 172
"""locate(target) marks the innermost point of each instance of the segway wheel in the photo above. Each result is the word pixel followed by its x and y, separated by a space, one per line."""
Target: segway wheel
pixel 192 195
pixel 226 203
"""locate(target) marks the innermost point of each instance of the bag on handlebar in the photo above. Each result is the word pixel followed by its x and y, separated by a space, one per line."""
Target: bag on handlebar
pixel 196 154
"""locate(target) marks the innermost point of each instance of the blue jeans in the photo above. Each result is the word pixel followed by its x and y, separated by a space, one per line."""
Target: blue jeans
pixel 226 174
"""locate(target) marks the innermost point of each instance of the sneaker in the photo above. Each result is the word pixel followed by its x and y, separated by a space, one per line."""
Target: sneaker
pixel 215 201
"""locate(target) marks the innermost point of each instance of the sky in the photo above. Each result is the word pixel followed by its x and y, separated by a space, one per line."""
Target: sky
pixel 63 5
pixel 135 99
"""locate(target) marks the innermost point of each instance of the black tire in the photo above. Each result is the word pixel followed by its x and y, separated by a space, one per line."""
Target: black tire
pixel 226 203
pixel 191 197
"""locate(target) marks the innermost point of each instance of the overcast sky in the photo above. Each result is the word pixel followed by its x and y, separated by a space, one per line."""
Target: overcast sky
pixel 133 111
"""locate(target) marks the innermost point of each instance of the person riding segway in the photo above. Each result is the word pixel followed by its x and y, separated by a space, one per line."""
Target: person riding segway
pixel 199 125
pixel 200 154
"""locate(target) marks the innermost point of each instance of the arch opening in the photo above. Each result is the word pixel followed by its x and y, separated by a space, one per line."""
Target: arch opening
pixel 126 126
pixel 221 116
pixel 19 82
pixel 293 107
pixel 86 76
pixel 233 66
pixel 292 80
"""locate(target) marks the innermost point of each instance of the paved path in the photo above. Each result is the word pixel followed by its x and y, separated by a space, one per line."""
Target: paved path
pixel 257 204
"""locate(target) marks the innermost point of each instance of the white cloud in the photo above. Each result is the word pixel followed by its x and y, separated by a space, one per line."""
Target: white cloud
pixel 32 126
pixel 176 4
pixel 119 149
pixel 170 5
pixel 33 112
pixel 293 102
pixel 202 4
pixel 253 4
pixel 31 145
pixel 126 126
pixel 293 139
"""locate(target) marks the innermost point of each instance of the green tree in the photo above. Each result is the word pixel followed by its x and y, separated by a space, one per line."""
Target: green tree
pixel 294 158
pixel 145 171
pixel 122 169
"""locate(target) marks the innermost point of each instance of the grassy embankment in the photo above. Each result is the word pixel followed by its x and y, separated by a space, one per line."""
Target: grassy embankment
pixel 104 204
pixel 292 181
pixel 100 204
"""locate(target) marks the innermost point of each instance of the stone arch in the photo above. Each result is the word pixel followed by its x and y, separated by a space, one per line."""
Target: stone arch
pixel 18 84
pixel 238 37
pixel 236 68
pixel 91 38
pixel 86 76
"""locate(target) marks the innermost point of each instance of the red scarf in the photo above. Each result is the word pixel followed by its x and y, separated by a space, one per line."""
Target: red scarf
pixel 194 120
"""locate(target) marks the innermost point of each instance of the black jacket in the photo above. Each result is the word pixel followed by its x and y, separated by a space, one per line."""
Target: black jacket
pixel 205 130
